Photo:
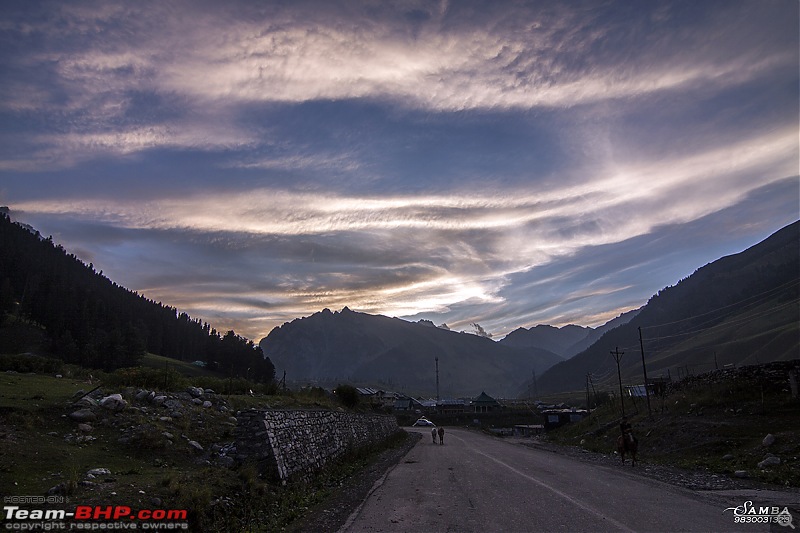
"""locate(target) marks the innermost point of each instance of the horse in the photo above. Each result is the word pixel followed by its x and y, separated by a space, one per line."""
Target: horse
pixel 627 445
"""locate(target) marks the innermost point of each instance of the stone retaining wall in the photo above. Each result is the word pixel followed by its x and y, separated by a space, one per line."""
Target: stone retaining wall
pixel 293 444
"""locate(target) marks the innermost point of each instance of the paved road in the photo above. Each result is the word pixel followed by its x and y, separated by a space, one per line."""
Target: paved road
pixel 478 483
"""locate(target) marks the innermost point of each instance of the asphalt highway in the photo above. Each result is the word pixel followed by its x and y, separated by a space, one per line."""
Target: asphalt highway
pixel 478 483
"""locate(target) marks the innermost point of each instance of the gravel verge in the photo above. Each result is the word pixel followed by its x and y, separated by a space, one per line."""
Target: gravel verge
pixel 331 514
pixel 682 477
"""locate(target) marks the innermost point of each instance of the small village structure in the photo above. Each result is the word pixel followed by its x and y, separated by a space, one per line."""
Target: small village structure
pixel 484 404
pixel 554 418
pixel 377 398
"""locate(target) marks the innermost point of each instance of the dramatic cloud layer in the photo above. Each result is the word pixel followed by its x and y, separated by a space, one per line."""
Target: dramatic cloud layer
pixel 507 163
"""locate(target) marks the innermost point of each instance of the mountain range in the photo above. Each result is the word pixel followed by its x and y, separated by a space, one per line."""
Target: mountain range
pixel 565 341
pixel 346 346
pixel 740 309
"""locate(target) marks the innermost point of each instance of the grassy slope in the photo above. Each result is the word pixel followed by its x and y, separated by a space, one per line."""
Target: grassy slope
pixel 696 428
pixel 149 472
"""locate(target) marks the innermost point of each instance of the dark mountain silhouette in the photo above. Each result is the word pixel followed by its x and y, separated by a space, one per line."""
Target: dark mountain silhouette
pixel 89 320
pixel 565 341
pixel 330 347
pixel 595 334
pixel 551 338
pixel 740 309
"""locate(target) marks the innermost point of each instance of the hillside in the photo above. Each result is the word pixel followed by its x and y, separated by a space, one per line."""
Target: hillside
pixel 329 347
pixel 52 303
pixel 740 309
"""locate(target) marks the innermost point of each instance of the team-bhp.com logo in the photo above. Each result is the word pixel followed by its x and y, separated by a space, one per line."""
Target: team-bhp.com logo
pixel 95 517
pixel 764 514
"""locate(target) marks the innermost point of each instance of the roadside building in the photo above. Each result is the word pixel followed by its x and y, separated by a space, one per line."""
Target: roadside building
pixel 451 406
pixel 484 404
pixel 554 418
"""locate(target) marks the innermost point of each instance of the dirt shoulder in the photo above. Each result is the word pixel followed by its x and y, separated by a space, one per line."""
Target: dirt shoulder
pixel 331 514
pixel 693 479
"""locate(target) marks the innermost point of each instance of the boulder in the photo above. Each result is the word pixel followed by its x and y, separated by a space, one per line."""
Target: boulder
pixel 768 441
pixel 94 472
pixel 173 404
pixel 769 461
pixel 226 462
pixel 196 392
pixel 115 403
pixel 83 415
pixel 195 445
pixel 206 404
pixel 142 395
pixel 85 402
pixel 59 489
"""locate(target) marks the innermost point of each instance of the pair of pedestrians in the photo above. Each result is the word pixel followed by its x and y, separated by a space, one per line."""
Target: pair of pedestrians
pixel 441 435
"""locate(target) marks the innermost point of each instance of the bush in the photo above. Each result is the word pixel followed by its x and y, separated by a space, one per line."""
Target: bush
pixel 348 395
pixel 30 363
pixel 146 378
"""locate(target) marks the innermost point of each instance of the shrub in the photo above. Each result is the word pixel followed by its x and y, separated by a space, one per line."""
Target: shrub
pixel 25 363
pixel 144 377
pixel 348 395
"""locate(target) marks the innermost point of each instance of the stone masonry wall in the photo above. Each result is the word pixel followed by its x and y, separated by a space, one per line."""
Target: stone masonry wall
pixel 293 444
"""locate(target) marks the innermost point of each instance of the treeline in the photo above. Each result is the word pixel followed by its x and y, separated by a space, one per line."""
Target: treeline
pixel 92 321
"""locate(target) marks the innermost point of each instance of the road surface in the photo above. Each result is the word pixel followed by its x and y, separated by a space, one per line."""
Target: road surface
pixel 478 483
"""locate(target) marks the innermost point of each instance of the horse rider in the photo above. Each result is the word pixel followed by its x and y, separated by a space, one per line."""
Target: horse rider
pixel 626 429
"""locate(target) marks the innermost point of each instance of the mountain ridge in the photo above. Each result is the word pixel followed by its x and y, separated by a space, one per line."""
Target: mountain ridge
pixel 739 309
pixel 357 347
pixel 565 341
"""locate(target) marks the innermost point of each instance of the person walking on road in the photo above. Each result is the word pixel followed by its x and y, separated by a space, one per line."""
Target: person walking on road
pixel 441 435
pixel 433 435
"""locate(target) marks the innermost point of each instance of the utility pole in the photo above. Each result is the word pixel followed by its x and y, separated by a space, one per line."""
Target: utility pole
pixel 617 357
pixel 530 389
pixel 588 407
pixel 535 388
pixel 644 368
pixel 437 379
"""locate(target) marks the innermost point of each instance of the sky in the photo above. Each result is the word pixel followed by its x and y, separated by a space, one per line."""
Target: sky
pixel 505 163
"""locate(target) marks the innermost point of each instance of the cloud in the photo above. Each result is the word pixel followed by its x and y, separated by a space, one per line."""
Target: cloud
pixel 478 161
pixel 404 255
pixel 511 58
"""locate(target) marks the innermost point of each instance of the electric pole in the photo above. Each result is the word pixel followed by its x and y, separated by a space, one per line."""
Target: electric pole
pixel 617 356
pixel 644 368
pixel 437 379
pixel 588 407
